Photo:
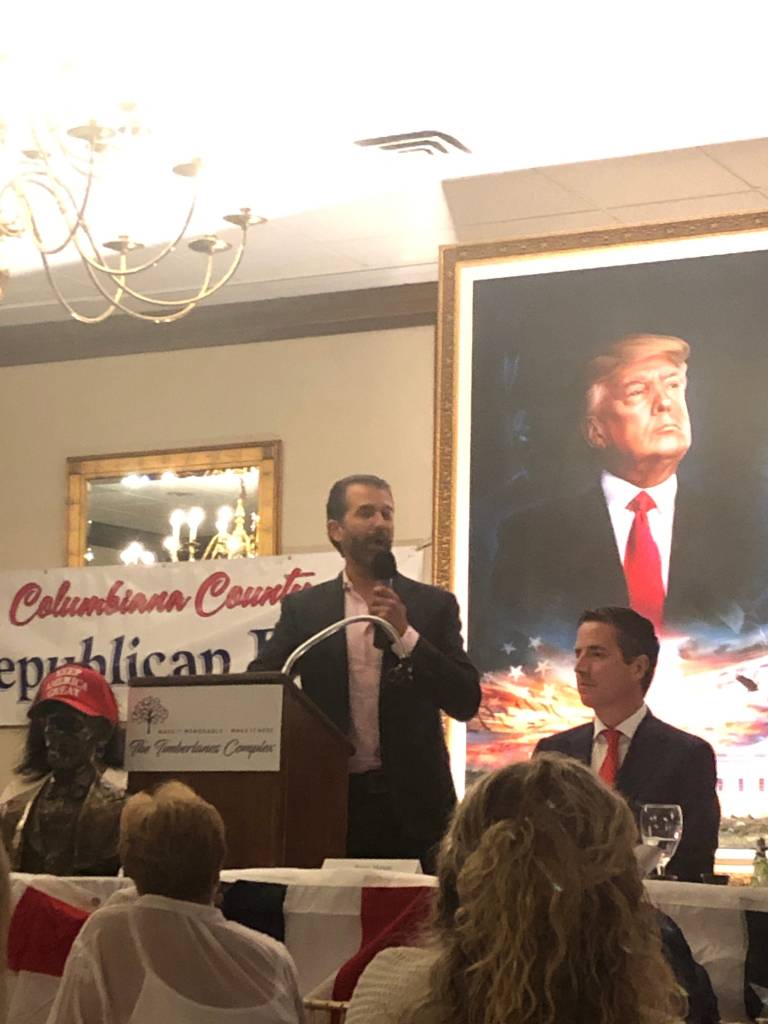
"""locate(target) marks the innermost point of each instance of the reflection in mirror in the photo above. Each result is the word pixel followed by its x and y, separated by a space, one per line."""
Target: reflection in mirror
pixel 173 506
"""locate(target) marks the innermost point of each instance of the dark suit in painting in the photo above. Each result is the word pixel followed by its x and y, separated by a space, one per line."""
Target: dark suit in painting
pixel 559 557
pixel 413 751
pixel 663 765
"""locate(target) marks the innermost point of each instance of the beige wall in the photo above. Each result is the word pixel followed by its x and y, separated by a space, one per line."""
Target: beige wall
pixel 340 404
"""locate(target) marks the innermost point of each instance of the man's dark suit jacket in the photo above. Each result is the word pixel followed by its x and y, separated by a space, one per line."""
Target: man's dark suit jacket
pixel 414 755
pixel 558 558
pixel 663 765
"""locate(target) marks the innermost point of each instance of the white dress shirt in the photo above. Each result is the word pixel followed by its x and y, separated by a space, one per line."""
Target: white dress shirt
pixel 618 494
pixel 627 728
pixel 364 669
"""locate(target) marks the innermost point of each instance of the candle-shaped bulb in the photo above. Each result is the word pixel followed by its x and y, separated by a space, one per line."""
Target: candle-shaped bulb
pixel 177 518
pixel 195 516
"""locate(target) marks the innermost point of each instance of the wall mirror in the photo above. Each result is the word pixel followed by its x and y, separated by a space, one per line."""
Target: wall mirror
pixel 173 506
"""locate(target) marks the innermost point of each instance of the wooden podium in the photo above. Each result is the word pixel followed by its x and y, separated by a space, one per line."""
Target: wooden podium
pixel 292 817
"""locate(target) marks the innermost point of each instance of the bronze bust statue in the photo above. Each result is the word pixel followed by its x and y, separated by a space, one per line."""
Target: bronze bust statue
pixel 64 817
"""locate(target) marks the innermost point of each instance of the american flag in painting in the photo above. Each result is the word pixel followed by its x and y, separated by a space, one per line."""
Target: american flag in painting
pixel 719 692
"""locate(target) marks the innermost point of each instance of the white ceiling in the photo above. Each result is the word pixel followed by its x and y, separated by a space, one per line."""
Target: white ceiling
pixel 549 97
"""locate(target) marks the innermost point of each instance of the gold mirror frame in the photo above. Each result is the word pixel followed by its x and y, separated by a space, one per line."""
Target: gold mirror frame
pixel 81 470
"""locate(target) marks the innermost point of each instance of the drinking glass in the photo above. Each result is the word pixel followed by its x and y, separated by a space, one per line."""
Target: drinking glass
pixel 661 826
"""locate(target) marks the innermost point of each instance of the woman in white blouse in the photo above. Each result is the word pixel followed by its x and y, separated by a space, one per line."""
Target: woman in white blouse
pixel 167 956
pixel 541 915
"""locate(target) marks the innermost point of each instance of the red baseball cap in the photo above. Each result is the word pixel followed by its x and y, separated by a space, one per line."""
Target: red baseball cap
pixel 81 688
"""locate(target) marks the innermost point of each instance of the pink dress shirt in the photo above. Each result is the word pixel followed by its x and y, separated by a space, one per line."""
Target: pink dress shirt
pixel 364 671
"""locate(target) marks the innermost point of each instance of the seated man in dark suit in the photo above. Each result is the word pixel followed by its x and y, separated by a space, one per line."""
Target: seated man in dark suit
pixel 647 760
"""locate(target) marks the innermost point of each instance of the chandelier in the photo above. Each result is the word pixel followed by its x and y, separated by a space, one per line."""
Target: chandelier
pixel 232 538
pixel 234 534
pixel 46 195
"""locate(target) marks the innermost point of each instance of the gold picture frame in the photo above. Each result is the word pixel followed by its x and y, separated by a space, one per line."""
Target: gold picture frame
pixel 454 261
pixel 519 324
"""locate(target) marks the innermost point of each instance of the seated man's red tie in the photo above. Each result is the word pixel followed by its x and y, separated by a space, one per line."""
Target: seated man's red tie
pixel 610 767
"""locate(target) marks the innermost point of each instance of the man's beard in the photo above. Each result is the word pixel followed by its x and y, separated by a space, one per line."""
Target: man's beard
pixel 364 550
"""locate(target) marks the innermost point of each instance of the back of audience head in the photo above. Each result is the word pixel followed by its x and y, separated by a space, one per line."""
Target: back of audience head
pixel 172 843
pixel 541 914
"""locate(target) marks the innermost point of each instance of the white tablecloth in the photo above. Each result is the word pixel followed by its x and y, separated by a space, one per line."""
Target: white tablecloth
pixel 712 919
pixel 323 928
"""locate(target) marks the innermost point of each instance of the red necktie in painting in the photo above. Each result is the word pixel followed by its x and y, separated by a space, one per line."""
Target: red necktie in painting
pixel 610 766
pixel 642 563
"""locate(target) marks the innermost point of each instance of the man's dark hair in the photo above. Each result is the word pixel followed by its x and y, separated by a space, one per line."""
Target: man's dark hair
pixel 635 635
pixel 336 505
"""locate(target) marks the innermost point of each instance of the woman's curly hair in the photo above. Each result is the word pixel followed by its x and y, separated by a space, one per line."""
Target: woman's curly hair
pixel 541 915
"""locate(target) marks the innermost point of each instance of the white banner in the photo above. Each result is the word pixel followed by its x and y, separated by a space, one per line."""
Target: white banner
pixel 183 619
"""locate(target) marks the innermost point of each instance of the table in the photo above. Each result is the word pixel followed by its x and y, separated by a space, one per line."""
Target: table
pixel 320 910
pixel 726 928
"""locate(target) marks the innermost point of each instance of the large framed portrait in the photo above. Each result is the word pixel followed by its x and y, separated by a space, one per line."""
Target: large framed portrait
pixel 569 367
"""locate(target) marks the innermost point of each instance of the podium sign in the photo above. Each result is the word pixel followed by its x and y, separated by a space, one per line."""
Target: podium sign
pixel 204 728
pixel 258 749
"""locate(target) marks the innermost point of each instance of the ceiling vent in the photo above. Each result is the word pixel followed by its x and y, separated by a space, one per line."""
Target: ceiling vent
pixel 432 143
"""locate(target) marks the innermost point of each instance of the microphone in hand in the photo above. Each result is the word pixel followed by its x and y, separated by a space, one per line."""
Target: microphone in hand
pixel 384 567
pixel 384 571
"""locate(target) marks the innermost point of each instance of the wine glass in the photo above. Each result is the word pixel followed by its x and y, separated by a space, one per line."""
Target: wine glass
pixel 661 826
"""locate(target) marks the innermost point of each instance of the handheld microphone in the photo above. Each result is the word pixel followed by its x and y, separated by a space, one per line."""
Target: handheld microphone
pixel 384 570
pixel 384 567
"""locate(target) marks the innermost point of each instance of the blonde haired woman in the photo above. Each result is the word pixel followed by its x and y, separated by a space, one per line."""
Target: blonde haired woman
pixel 541 914
pixel 168 956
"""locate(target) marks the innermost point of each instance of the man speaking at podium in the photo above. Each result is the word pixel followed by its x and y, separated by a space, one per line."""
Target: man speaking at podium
pixel 400 789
